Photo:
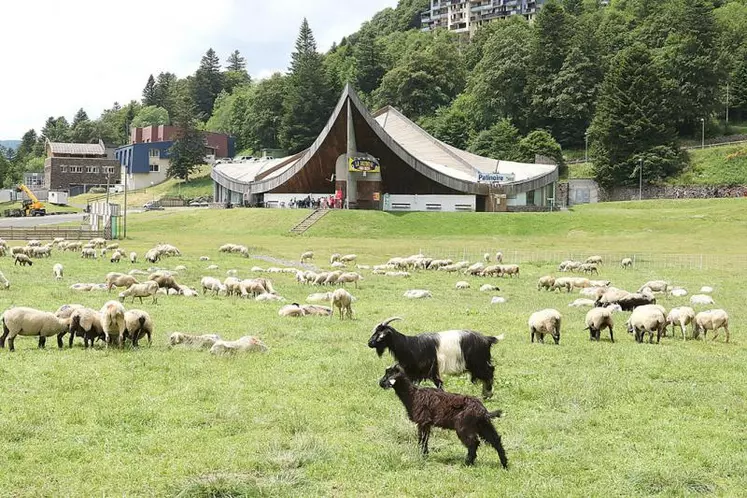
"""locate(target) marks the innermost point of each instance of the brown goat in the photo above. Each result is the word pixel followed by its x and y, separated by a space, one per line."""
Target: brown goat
pixel 429 407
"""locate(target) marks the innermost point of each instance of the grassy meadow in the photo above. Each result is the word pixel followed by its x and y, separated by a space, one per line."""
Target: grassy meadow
pixel 309 419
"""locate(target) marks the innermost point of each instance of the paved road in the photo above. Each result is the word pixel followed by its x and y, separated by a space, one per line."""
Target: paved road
pixel 41 220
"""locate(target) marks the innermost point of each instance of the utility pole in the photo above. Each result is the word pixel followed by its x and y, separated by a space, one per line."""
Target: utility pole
pixel 727 105
pixel 702 135
pixel 586 151
pixel 124 228
pixel 640 179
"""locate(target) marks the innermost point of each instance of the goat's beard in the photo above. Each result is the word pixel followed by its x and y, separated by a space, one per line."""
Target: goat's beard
pixel 380 350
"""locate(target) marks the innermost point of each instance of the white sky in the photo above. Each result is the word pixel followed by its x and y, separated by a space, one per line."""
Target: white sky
pixel 61 55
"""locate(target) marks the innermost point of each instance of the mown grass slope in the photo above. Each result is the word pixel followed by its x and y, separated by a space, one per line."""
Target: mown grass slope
pixel 308 418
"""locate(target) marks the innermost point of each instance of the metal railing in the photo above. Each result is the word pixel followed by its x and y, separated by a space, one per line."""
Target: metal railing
pixel 49 233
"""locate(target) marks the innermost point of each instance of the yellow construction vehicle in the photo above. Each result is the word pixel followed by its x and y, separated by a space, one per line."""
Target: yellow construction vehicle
pixel 32 206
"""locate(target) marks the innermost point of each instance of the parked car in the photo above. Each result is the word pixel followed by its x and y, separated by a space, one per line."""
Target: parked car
pixel 199 204
pixel 152 206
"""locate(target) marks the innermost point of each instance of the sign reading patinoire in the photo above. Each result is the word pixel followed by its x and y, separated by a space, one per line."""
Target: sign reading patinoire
pixel 363 165
pixel 495 177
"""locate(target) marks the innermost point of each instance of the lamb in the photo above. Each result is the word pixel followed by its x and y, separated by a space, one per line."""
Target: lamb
pixel 114 279
pixel 204 341
pixel 4 281
pixel 85 323
pixel 307 256
pixel 137 324
pixel 579 303
pixel 116 257
pixel 655 286
pixel 706 290
pixel 146 289
pixel 647 319
pixel 709 320
pixel 489 288
pixel 543 322
pixel 417 294
pixel 342 300
pixel 88 253
pixel 112 320
pixel 499 257
pixel 244 345
pixel 498 300
pixel 294 310
pixel 547 282
pixel 188 291
pixel 681 316
pixel 57 270
pixel 461 285
pixel 233 286
pixel 133 258
pixel 678 292
pixel 589 268
pixel 596 320
pixel 348 258
pixel 594 260
pixel 429 356
pixel 626 263
pixel 429 407
pixel 23 260
pixel 211 284
pixel 31 322
pixel 701 299
pixel 319 297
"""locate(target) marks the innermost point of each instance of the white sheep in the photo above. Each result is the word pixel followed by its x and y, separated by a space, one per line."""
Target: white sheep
pixel 338 264
pixel 137 324
pixel 498 300
pixel 232 273
pixel 116 257
pixel 647 319
pixel 57 270
pixel 4 281
pixel 84 322
pixel 180 268
pixel 488 288
pixel 706 289
pixel 269 297
pixel 81 287
pixel 293 310
pixel 580 303
pixel 681 316
pixel 244 345
pixel 596 320
pixel 212 267
pixel 626 263
pixel 486 257
pixel 307 256
pixel 334 258
pixel 342 300
pixel 547 282
pixel 133 258
pixel 31 322
pixel 348 258
pixel 543 322
pixel 594 260
pixel 211 284
pixel 204 341
pixel 499 257
pixel 233 286
pixel 461 285
pixel 114 279
pixel 146 289
pixel 257 269
pixel 701 299
pixel 113 321
pixel 402 274
pixel 319 297
pixel 678 292
pixel 655 286
pixel 349 277
pixel 418 294
pixel 711 320
pixel 317 310
pixel 204 258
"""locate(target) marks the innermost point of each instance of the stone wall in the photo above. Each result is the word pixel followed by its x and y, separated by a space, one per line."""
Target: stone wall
pixel 673 192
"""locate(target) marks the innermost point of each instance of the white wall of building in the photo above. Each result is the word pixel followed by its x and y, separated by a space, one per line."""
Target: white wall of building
pixel 436 203
pixel 517 200
pixel 144 180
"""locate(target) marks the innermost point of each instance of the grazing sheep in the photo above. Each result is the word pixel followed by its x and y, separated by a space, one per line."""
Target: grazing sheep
pixel 711 320
pixel 596 320
pixel 701 299
pixel 253 287
pixel 294 310
pixel 631 301
pixel 116 257
pixel 88 253
pixel 338 264
pixel 475 269
pixel 164 280
pixel 510 270
pixel 429 407
pixel 589 268
pixel 334 258
pixel 233 286
pixel 580 303
pixel 211 284
pixel 246 344
pixel 146 289
pixel 417 294
pixel 498 300
pixel 31 322
pixel 307 256
pixel 543 322
pixel 23 260
pixel 320 297
pixel 681 316
pixel 678 292
pixel 342 300
pixel 348 258
pixel 461 285
pixel 594 260
pixel 486 257
pixel 269 297
pixel 706 290
pixel 547 282
pixel 188 291
pixel 626 263
pixel 429 356
pixel 489 288
pixel 33 243
pixel 4 281
pixel 647 319
pixel 204 341
pixel 113 321
pixel 138 324
pixel 57 270
pixel 402 274
pixel 316 310
pixel 85 323
pixel 204 258
pixel 349 277
pixel 114 279
pixel 499 257
pixel 655 286
pixel 133 258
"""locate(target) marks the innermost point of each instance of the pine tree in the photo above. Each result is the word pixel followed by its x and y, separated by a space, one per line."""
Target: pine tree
pixel 149 92
pixel 164 91
pixel 236 62
pixel 633 119
pixel 307 102
pixel 80 117
pixel 27 146
pixel 188 151
pixel 207 83
pixel 368 66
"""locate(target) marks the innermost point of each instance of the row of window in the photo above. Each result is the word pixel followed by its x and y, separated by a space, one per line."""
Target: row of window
pixel 109 170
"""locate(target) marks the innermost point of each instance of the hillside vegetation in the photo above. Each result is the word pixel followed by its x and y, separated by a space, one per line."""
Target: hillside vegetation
pixel 715 166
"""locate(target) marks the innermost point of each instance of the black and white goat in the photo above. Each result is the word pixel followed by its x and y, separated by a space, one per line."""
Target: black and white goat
pixel 429 356
pixel 429 407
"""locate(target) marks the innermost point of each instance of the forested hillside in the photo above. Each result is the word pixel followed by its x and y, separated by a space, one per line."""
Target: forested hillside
pixel 634 78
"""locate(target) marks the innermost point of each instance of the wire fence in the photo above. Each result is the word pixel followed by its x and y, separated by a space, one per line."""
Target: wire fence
pixel 641 260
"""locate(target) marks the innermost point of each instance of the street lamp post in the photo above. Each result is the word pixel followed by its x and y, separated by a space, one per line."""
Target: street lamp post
pixel 640 179
pixel 586 150
pixel 702 134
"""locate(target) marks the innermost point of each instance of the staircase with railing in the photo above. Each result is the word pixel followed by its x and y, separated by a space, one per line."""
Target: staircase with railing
pixel 309 221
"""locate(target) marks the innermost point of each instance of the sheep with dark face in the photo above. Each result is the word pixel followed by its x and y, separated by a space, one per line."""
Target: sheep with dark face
pixel 429 407
pixel 431 355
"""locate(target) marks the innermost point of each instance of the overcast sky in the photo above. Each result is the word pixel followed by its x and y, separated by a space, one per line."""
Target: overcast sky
pixel 61 55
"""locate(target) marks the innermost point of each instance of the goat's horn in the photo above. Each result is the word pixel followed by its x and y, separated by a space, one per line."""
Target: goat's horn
pixel 390 320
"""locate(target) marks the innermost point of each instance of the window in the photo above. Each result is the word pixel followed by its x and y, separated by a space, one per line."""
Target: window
pixel 154 153
pixel 76 169
pixel 154 168
pixel 63 169
pixel 92 169
pixel 109 170
pixel 530 198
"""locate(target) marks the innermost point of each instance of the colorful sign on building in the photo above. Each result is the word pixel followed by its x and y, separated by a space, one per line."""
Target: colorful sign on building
pixel 363 165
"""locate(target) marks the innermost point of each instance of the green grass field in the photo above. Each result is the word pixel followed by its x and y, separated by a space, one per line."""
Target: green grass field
pixel 715 166
pixel 308 418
